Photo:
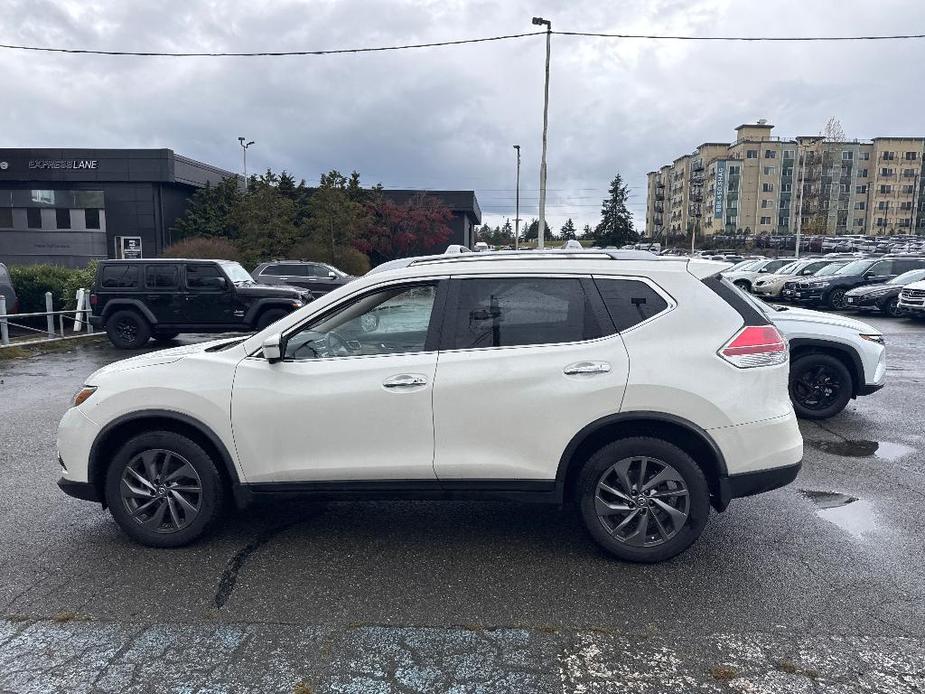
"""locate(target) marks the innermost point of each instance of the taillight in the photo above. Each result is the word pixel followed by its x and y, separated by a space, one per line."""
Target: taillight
pixel 93 299
pixel 755 345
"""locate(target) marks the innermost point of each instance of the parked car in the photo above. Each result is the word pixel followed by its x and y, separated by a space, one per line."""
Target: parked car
pixel 883 297
pixel 772 285
pixel 746 278
pixel 346 398
pixel 318 278
pixel 789 288
pixel 830 290
pixel 912 299
pixel 7 291
pixel 135 300
pixel 832 358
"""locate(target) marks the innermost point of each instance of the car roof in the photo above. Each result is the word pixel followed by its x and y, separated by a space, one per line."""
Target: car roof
pixel 165 260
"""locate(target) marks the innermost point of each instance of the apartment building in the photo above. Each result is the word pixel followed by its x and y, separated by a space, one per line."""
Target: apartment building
pixel 762 184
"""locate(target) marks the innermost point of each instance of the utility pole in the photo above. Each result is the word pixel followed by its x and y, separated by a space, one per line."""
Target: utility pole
pixel 539 21
pixel 517 203
pixel 244 156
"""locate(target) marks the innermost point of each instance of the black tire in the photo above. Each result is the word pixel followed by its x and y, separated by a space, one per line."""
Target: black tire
pixel 820 386
pixel 164 531
pixel 836 299
pixel 891 307
pixel 165 337
pixel 271 315
pixel 743 284
pixel 127 329
pixel 600 468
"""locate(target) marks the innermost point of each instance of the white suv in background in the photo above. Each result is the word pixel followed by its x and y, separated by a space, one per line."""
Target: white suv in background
pixel 912 299
pixel 608 378
pixel 745 277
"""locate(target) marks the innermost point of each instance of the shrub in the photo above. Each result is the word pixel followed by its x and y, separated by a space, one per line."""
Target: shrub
pixel 32 281
pixel 200 247
pixel 80 278
pixel 346 258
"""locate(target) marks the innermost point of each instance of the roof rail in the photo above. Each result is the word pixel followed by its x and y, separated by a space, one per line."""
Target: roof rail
pixel 546 254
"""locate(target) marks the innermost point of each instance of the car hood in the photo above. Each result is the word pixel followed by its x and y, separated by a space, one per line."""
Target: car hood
pixel 805 316
pixel 771 279
pixel 161 356
pixel 920 285
pixel 867 288
pixel 260 291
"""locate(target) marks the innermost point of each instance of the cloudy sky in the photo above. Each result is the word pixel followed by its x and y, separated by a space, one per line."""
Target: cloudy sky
pixel 448 117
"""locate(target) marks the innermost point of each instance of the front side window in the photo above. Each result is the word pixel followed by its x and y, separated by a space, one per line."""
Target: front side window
pixel 390 321
pixel 204 277
pixel 507 312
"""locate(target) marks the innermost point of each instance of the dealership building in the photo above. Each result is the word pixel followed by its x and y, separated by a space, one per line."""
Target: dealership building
pixel 70 206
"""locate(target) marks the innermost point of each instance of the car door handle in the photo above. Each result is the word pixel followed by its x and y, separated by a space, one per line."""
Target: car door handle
pixel 405 381
pixel 582 368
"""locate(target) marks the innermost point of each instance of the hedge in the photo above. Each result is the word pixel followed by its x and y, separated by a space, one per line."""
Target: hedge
pixel 32 281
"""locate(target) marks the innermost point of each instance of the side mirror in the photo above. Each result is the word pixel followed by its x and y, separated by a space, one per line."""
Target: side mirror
pixel 332 275
pixel 221 283
pixel 273 348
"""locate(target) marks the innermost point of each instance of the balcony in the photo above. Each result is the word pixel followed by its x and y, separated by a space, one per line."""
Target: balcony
pixel 697 166
pixel 660 196
pixel 659 184
pixel 659 207
pixel 696 195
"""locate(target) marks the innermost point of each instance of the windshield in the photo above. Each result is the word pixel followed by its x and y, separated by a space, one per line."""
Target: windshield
pixel 237 274
pixel 742 265
pixel 856 267
pixel 908 277
pixel 829 269
pixel 790 268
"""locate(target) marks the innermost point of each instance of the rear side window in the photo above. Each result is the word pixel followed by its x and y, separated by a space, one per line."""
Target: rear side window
pixel 119 276
pixel 629 302
pixel 901 266
pixel 162 277
pixel 506 312
pixel 283 270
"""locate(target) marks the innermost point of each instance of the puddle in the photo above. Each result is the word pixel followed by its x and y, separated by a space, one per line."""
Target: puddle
pixel 862 448
pixel 855 516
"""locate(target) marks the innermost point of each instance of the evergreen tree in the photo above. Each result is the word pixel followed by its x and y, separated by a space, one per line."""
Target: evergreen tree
pixel 568 230
pixel 208 210
pixel 532 231
pixel 616 225
pixel 586 233
pixel 505 234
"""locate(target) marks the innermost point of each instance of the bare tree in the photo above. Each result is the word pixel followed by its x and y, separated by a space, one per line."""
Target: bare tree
pixel 833 132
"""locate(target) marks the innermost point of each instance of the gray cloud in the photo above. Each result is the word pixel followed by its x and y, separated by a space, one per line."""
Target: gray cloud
pixel 448 117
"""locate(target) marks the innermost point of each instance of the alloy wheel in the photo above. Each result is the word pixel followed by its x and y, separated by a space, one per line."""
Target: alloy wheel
pixel 127 330
pixel 642 501
pixel 161 491
pixel 838 299
pixel 817 387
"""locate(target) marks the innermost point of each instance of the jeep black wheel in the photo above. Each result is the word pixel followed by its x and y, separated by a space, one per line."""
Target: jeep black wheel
pixel 643 499
pixel 271 315
pixel 163 489
pixel 127 330
pixel 837 299
pixel 820 386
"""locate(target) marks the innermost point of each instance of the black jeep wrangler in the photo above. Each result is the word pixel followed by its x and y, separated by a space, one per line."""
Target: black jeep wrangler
pixel 135 300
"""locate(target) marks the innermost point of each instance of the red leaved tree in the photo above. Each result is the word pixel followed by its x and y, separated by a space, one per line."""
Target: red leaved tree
pixel 417 227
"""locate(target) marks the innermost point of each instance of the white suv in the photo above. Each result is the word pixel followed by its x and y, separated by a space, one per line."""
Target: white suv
pixel 645 389
pixel 912 299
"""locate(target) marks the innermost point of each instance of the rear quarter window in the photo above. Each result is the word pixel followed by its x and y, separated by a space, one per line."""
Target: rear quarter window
pixel 629 302
pixel 119 277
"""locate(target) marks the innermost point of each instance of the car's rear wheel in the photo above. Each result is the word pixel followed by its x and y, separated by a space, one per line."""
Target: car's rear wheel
pixel 643 499
pixel 163 489
pixel 820 386
pixel 891 308
pixel 270 316
pixel 837 299
pixel 127 329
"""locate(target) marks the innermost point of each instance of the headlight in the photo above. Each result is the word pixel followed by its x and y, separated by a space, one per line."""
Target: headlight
pixel 82 395
pixel 873 338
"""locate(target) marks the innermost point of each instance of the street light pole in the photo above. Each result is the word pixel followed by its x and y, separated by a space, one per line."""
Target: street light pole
pixel 244 156
pixel 539 21
pixel 517 203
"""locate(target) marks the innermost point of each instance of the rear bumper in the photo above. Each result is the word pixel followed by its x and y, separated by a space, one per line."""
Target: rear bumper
pixel 96 321
pixel 79 490
pixel 751 483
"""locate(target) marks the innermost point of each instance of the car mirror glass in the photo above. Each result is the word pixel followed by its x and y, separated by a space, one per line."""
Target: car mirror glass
pixel 273 348
pixel 332 275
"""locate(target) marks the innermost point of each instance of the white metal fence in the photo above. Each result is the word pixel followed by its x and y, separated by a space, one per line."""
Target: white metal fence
pixel 80 317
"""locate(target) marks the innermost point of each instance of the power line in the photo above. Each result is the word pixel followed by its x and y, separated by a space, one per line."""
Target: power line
pixel 264 54
pixel 674 37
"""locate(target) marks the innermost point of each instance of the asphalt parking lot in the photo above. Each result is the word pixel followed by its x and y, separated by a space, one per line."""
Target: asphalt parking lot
pixel 817 587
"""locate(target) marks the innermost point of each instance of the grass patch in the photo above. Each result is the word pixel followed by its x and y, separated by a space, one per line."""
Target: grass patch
pixel 26 351
pixel 723 673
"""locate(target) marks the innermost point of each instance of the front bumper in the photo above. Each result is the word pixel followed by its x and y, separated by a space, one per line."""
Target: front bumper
pixel 807 295
pixel 751 483
pixel 912 308
pixel 772 290
pixel 865 300
pixel 79 490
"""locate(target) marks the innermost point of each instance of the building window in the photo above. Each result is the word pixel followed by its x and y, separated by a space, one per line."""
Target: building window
pixel 93 218
pixel 886 188
pixel 751 154
pixel 905 205
pixel 905 222
pixel 43 197
pixel 859 222
pixel 847 155
pixel 33 218
pixel 767 187
pixel 6 218
pixel 861 189
pixel 765 220
pixel 765 203
pixel 770 154
pixel 884 171
pixel 788 154
pixel 889 156
pixel 908 173
pixel 912 156
pixel 908 190
pixel 860 205
pixel 862 173
pixel 768 170
pixel 62 219
pixel 734 170
pixel 883 205
pixel 881 221
pixel 843 188
pixel 783 222
pixel 786 187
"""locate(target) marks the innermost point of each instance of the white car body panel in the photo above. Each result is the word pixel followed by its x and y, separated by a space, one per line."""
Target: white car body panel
pixel 912 298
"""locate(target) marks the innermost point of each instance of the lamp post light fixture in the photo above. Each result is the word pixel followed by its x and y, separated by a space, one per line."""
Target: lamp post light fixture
pixel 517 203
pixel 244 156
pixel 539 21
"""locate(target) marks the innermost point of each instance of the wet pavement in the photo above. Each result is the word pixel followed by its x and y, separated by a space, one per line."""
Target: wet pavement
pixel 817 587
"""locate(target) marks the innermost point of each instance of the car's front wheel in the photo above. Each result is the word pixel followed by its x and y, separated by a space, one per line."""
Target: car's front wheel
pixel 891 308
pixel 837 300
pixel 127 330
pixel 820 386
pixel 643 499
pixel 163 489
